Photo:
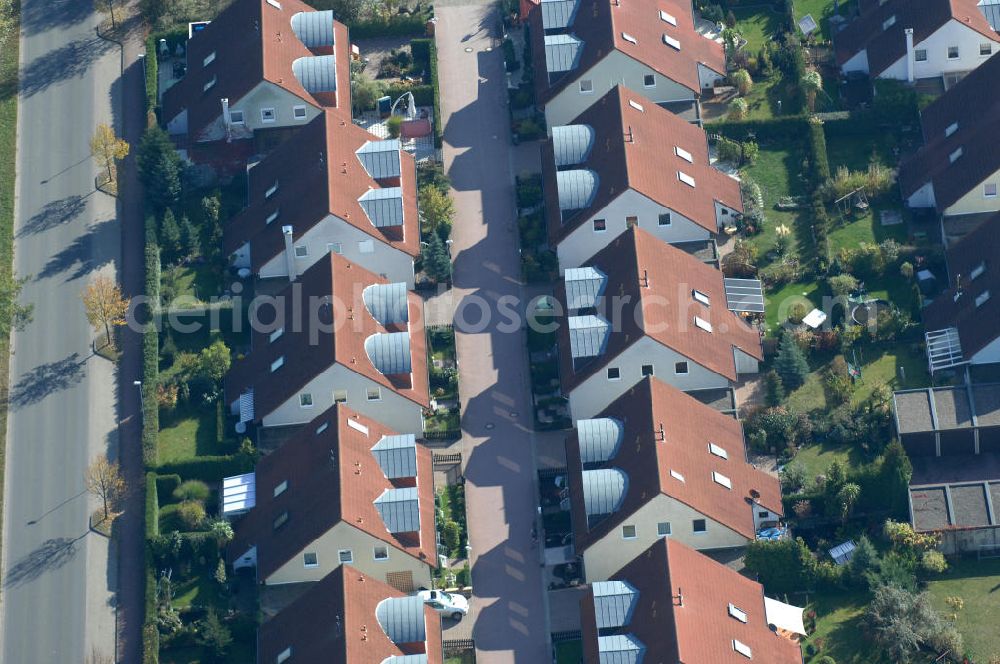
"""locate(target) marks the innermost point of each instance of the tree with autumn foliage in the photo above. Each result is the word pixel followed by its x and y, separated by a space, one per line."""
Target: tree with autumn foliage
pixel 105 305
pixel 105 482
pixel 108 149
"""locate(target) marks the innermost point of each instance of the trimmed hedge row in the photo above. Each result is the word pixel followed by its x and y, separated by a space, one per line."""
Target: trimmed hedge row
pixel 423 95
pixel 151 350
pixel 770 129
pixel 152 72
pixel 208 468
pixel 400 25
pixel 152 505
pixel 818 158
pixel 150 632
pixel 425 50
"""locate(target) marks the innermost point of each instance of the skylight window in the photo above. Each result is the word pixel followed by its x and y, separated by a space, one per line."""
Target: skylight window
pixel 701 297
pixel 955 155
pixel 669 18
pixel 889 22
pixel 684 154
pixel 677 476
pixel 274 3
pixel 629 38
pixel 277 364
pixel 722 479
pixel 685 178
pixel 636 105
pixel 670 41
pixel 702 324
pixel 323 427
pixel 742 649
pixel 977 271
pixel 718 451
pixel 357 426
pixel 209 85
pixel 209 59
pixel 737 612
pixel 950 129
pixel 982 298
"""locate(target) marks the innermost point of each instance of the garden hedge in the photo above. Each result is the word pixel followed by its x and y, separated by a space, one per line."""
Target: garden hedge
pixel 150 632
pixel 423 95
pixel 818 157
pixel 771 129
pixel 400 25
pixel 152 506
pixel 151 349
pixel 208 468
pixel 152 72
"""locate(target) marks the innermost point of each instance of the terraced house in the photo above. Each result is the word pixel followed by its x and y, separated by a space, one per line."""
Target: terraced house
pixel 673 604
pixel 339 334
pixel 351 618
pixel 957 171
pixel 583 48
pixel 657 463
pixel 261 65
pixel 331 187
pixel 626 162
pixel 344 490
pixel 641 307
pixel 909 41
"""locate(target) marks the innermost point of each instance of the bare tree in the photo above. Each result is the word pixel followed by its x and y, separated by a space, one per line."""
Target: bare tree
pixel 105 481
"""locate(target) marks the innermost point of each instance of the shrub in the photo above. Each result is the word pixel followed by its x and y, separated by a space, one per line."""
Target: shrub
pixel 213 635
pixel 167 484
pixel 775 389
pixel 192 490
pixel 751 193
pixel 782 566
pixel 843 284
pixel 738 109
pixel 208 468
pixel 793 477
pixel 450 535
pixel 394 125
pixel 791 363
pixel 742 80
pixel 933 562
pixel 464 577
pixel 191 513
pixel 796 313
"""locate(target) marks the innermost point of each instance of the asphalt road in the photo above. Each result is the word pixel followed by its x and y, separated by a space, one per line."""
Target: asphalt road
pixel 56 602
pixel 509 615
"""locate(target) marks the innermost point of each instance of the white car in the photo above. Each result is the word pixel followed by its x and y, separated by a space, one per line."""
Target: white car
pixel 452 605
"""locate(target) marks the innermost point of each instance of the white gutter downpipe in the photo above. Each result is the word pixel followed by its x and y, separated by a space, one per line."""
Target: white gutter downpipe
pixel 227 119
pixel 286 231
pixel 909 55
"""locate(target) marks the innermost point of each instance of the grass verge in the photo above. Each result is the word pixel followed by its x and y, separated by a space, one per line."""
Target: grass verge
pixel 8 148
pixel 977 583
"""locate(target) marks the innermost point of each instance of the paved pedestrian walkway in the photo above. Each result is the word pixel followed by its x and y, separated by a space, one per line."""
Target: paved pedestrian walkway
pixel 509 610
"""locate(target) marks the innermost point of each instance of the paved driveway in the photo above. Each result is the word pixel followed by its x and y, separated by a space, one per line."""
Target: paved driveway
pixel 510 619
pixel 57 603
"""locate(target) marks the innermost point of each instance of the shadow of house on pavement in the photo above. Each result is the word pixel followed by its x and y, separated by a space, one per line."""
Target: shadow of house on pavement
pixel 46 379
pixel 71 60
pixel 52 554
pixel 87 253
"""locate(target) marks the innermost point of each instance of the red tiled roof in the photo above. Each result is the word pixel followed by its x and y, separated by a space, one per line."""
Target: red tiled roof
pixel 334 622
pixel 253 42
pixel 688 427
pixel 322 493
pixel 974 105
pixel 682 611
pixel 886 46
pixel 666 307
pixel 316 181
pixel 646 163
pixel 309 349
pixel 977 326
pixel 601 24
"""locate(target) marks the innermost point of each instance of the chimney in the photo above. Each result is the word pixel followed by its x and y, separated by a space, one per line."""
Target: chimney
pixel 679 597
pixel 227 119
pixel 660 433
pixel 909 55
pixel 286 231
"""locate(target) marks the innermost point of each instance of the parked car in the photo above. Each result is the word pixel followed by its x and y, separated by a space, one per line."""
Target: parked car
pixel 452 605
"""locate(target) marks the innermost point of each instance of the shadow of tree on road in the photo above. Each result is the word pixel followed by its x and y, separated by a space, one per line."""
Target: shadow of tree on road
pixel 87 252
pixel 71 60
pixel 41 16
pixel 52 554
pixel 55 213
pixel 45 379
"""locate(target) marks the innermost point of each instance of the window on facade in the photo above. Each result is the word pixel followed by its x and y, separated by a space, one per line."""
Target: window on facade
pixel 680 368
pixel 649 80
pixel 374 393
pixel 990 189
pixel 985 48
pixel 309 559
pixel 586 86
pixel 281 520
pixel 380 552
pixel 340 396
pixel 268 115
pixel 920 55
pixel 335 247
pixel 306 400
pixel 600 225
pixel 699 525
pixel 631 221
pixel 614 373
pixel 664 219
pixel 299 112
pixel 281 488
pixel 366 246
pixel 345 556
pixel 301 251
pixel 236 117
pixel 663 529
pixel 628 531
pixel 952 52
pixel 647 370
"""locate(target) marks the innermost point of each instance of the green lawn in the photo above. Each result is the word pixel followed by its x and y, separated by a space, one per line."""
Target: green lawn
pixel 778 171
pixel 778 303
pixel 816 458
pixel 569 652
pixel 188 432
pixel 978 584
pixel 756 25
pixel 820 10
pixel 193 283
pixel 200 589
pixel 838 617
